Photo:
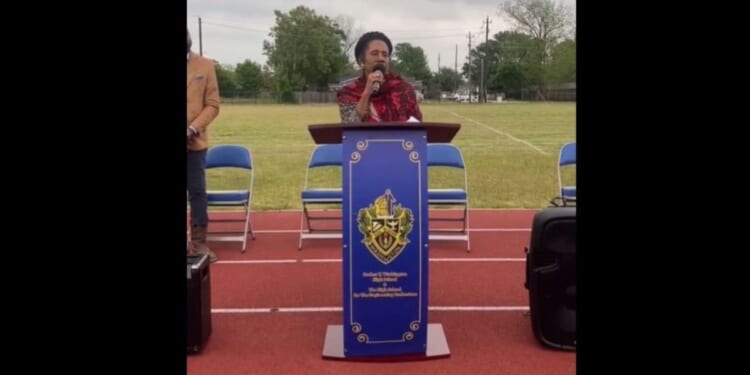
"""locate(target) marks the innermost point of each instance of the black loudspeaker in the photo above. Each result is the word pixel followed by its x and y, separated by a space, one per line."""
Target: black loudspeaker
pixel 551 277
pixel 198 302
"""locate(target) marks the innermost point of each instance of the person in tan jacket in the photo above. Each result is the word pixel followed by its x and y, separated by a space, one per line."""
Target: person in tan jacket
pixel 202 109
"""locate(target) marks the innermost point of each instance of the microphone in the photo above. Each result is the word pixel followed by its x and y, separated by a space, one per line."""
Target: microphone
pixel 376 85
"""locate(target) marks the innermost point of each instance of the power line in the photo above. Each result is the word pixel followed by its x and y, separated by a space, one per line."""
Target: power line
pixel 415 37
pixel 430 37
pixel 234 27
pixel 420 30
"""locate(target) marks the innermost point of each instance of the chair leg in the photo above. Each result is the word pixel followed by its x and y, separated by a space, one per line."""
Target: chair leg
pixel 466 228
pixel 249 224
pixel 248 228
pixel 244 237
pixel 301 226
pixel 465 220
pixel 307 218
pixel 189 241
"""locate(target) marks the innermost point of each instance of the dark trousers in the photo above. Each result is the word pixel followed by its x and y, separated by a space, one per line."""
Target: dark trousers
pixel 196 186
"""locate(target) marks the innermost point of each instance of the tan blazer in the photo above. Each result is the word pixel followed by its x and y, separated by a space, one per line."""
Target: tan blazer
pixel 202 98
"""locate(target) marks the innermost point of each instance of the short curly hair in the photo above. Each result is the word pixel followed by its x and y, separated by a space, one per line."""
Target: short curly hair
pixel 359 49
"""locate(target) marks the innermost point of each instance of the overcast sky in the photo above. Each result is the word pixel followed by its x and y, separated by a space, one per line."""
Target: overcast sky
pixel 234 30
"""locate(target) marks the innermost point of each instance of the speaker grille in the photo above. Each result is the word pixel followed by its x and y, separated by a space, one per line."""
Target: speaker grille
pixel 551 277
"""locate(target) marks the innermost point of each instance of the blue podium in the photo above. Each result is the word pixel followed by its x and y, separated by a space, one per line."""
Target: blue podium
pixel 385 241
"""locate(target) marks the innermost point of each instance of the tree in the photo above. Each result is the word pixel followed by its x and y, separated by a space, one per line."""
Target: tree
pixel 349 71
pixel 226 80
pixel 541 19
pixel 447 79
pixel 562 68
pixel 410 61
pixel 491 51
pixel 306 52
pixel 345 23
pixel 268 81
pixel 515 61
pixel 249 78
pixel 546 23
pixel 521 62
pixel 508 77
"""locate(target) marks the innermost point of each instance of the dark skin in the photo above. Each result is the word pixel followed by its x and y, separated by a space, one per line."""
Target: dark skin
pixel 375 53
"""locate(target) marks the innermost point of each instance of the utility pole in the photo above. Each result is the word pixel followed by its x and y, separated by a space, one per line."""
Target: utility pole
pixel 481 81
pixel 455 65
pixel 485 62
pixel 470 86
pixel 440 94
pixel 200 36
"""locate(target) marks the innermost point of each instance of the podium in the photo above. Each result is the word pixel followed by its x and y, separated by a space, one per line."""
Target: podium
pixel 385 241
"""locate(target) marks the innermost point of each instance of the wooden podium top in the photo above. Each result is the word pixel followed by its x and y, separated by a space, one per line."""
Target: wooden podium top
pixel 436 132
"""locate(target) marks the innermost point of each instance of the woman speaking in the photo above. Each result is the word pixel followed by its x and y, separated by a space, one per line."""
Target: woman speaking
pixel 379 94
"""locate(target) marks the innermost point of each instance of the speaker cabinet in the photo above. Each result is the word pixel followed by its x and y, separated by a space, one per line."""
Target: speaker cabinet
pixel 198 302
pixel 551 277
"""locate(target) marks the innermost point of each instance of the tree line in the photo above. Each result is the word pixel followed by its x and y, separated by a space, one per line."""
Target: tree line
pixel 307 52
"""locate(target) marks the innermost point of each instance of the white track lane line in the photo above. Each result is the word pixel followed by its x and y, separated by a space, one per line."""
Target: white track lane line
pixel 265 310
pixel 296 231
pixel 338 260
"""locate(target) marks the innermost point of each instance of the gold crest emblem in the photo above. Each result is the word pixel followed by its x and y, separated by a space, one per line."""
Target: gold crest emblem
pixel 385 226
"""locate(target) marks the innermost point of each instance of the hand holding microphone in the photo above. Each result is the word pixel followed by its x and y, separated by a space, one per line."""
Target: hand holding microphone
pixel 377 74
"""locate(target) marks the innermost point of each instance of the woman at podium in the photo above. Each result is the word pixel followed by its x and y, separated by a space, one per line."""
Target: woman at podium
pixel 378 94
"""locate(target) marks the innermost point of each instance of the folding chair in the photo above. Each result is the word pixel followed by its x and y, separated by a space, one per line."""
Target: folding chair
pixel 225 159
pixel 566 160
pixel 448 155
pixel 326 155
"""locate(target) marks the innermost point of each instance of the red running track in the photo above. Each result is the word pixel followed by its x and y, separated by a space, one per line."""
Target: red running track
pixel 272 304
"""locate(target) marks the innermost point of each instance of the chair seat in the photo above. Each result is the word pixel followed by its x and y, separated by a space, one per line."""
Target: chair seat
pixel 228 197
pixel 322 195
pixel 569 192
pixel 237 159
pixel 437 196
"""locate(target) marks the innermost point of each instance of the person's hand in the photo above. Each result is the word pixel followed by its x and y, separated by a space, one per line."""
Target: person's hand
pixel 373 77
pixel 191 133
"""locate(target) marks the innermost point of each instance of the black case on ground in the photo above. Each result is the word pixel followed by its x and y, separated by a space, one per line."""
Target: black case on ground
pixel 198 302
pixel 551 277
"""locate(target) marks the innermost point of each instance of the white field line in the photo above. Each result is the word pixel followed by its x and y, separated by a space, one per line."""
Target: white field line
pixel 500 132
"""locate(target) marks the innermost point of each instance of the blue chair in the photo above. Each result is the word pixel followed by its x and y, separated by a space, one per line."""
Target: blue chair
pixel 448 155
pixel 330 156
pixel 231 157
pixel 566 160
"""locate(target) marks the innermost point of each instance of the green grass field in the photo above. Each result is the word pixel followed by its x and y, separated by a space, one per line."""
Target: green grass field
pixel 510 150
